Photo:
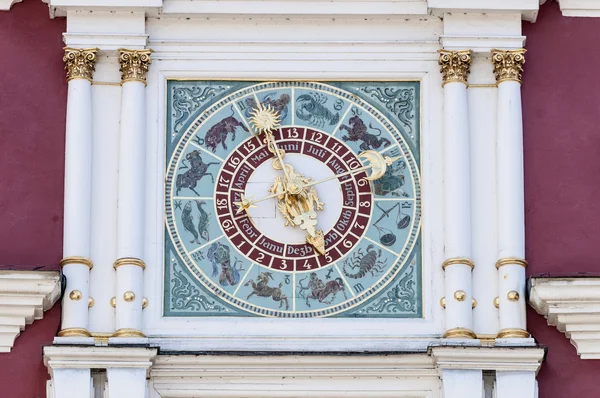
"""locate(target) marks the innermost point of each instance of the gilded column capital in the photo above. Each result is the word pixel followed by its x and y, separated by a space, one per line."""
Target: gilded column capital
pixel 80 63
pixel 134 65
pixel 455 65
pixel 508 65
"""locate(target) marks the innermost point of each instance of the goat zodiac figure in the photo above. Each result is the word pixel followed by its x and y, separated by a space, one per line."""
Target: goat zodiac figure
pixel 262 289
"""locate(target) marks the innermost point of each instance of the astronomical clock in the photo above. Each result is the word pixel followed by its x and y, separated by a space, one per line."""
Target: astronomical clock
pixel 292 199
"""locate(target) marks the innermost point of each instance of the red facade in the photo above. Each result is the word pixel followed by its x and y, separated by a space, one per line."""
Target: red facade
pixel 32 131
pixel 561 98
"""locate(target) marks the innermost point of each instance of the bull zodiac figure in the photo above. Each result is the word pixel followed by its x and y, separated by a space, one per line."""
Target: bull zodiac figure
pixel 218 133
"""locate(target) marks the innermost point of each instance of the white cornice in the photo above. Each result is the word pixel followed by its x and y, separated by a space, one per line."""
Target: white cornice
pixel 24 296
pixel 573 306
pixel 91 357
pixel 509 359
pixel 580 8
pixel 6 4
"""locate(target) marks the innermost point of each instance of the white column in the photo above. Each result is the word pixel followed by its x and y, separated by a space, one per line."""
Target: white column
pixel 130 224
pixel 457 190
pixel 461 383
pixel 516 384
pixel 105 172
pixel 126 382
pixel 484 236
pixel 508 68
pixel 76 265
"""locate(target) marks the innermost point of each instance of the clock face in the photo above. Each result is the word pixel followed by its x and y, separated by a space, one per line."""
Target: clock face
pixel 246 236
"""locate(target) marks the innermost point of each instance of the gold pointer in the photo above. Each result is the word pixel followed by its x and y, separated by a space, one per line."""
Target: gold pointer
pixel 377 162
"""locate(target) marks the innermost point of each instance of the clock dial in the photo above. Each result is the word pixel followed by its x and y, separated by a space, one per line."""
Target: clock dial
pixel 259 261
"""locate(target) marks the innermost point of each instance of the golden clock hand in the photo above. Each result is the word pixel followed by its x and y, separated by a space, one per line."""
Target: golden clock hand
pixel 377 162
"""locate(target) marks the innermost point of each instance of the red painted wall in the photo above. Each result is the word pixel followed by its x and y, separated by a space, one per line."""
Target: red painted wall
pixel 561 103
pixel 32 117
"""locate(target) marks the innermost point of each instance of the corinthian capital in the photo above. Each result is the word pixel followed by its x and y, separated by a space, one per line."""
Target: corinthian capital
pixel 508 64
pixel 80 63
pixel 134 65
pixel 456 65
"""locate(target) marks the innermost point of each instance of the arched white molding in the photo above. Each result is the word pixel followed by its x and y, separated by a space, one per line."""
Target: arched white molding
pixel 573 306
pixel 24 296
pixel 5 5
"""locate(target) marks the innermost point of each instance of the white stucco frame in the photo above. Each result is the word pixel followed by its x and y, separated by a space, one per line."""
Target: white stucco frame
pixel 239 55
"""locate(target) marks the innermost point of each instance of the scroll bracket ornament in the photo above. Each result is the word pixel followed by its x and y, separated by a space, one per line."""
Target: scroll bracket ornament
pixel 508 65
pixel 455 65
pixel 134 65
pixel 80 63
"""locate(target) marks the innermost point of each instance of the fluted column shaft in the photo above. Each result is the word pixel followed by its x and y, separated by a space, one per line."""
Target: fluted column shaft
pixel 455 67
pixel 508 68
pixel 130 225
pixel 76 265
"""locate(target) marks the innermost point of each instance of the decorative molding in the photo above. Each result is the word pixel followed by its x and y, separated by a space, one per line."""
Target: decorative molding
pixel 580 8
pixel 80 63
pixel 283 376
pixel 5 5
pixel 455 66
pixel 134 66
pixel 508 66
pixel 24 296
pixel 509 359
pixel 92 357
pixel 572 305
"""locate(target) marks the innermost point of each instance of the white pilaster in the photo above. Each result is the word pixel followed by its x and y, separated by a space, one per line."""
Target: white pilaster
pixel 80 64
pixel 72 383
pixel 130 213
pixel 126 382
pixel 127 369
pixel 508 67
pixel 457 190
pixel 462 383
pixel 106 103
pixel 516 385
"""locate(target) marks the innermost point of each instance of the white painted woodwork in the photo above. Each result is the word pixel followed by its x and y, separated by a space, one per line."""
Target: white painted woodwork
pixel 105 163
pixel 127 367
pixel 405 375
pixel 457 205
pixel 459 383
pixel 516 385
pixel 580 8
pixel 24 296
pixel 511 204
pixel 5 5
pixel 77 202
pixel 130 210
pixel 482 129
pixel 126 383
pixel 72 383
pixel 572 305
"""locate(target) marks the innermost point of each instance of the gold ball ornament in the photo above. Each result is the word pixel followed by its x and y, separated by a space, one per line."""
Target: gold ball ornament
pixel 75 295
pixel 460 295
pixel 129 296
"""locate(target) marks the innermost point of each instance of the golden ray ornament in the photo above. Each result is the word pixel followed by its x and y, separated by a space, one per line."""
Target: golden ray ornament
pixel 264 119
pixel 245 204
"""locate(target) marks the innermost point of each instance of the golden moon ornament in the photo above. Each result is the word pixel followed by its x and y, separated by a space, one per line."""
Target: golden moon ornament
pixel 377 162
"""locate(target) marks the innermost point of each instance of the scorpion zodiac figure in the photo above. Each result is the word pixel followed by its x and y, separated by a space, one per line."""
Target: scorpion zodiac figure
pixel 311 108
pixel 365 262
pixel 319 290
pixel 262 289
